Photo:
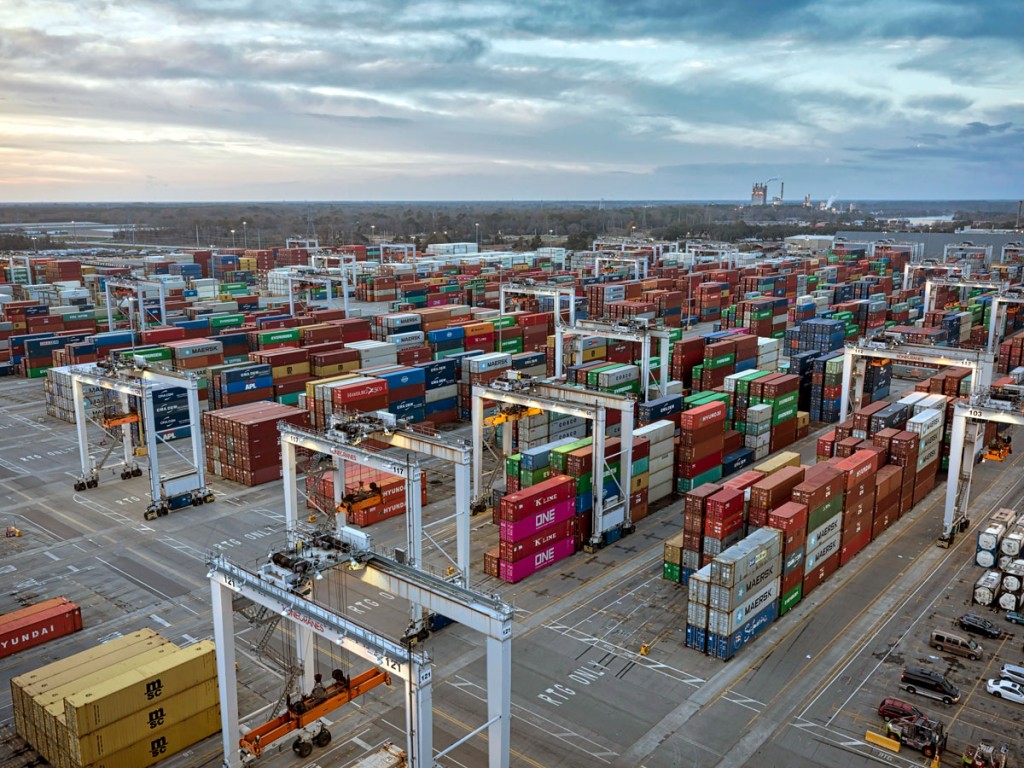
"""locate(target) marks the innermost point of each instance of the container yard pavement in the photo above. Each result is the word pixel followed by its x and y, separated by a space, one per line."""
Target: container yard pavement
pixel 803 694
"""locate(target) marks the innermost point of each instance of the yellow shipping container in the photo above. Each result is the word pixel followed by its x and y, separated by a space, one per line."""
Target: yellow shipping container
pixel 639 482
pixel 24 687
pixel 774 464
pixel 91 673
pixel 123 694
pixel 48 708
pixel 155 747
pixel 154 719
pixel 803 419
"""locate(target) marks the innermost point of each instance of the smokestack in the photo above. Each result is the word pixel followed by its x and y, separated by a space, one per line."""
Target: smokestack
pixel 782 191
pixel 1019 204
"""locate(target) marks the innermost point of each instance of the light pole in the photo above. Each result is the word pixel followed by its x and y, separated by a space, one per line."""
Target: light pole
pixel 373 232
pixel 74 231
pixel 232 238
pixel 477 225
pixel 245 236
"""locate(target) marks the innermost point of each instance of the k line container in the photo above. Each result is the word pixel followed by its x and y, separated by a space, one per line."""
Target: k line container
pixel 518 570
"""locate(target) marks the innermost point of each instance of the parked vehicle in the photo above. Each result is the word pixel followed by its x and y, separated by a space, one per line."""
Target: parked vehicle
pixel 1015 617
pixel 928 682
pixel 921 733
pixel 948 642
pixel 1005 689
pixel 1013 672
pixel 971 622
pixel 894 709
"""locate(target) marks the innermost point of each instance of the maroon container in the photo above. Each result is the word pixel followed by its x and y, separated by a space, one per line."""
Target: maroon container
pixel 35 629
pixel 535 522
pixel 517 570
pixel 852 547
pixel 517 550
pixel 813 579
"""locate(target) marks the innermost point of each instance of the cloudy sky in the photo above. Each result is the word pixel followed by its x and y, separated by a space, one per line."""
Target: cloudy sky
pixel 500 100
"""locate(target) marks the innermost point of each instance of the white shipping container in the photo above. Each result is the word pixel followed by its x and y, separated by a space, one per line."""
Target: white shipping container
pixel 825 549
pixel 441 393
pixel 660 462
pixel 489 362
pixel 656 431
pixel 824 531
pixel 661 476
pixel 925 422
pixel 724 623
pixel 991 537
pixel 699 586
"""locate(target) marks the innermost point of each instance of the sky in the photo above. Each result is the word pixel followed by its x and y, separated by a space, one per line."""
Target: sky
pixel 166 100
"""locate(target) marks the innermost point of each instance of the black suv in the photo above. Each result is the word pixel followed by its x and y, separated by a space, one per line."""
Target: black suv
pixel 970 622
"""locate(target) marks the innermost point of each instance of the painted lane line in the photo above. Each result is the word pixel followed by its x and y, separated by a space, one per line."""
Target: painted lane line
pixel 50 555
pixel 158 620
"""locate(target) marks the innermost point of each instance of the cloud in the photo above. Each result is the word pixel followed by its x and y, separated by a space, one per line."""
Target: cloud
pixel 940 103
pixel 983 129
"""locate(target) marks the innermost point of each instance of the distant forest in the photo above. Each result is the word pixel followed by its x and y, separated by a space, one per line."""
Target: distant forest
pixel 509 225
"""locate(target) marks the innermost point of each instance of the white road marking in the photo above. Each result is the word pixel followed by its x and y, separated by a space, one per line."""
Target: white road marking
pixel 158 620
pixel 50 555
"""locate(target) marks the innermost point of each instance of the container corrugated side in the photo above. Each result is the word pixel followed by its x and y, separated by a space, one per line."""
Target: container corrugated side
pixel 170 741
pixel 108 738
pixel 132 690
pixel 48 706
pixel 25 687
pixel 34 629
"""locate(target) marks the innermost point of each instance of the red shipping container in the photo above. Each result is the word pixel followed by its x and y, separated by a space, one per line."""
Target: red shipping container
pixel 813 579
pixel 517 570
pixel 789 517
pixel 702 465
pixel 515 506
pixel 702 415
pixel 791 579
pixel 854 545
pixel 345 394
pixel 517 530
pixel 28 631
pixel 492 563
pixel 724 504
pixel 720 529
pixel 517 550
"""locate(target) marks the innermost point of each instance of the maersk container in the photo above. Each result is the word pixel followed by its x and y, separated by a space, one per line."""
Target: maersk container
pixel 823 532
pixel 725 622
pixel 735 563
pixel 825 549
pixel 728 598
pixel 727 646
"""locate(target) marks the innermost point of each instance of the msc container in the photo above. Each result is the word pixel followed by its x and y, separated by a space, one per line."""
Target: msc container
pixel 109 738
pixel 123 694
pixel 155 747
pixel 37 628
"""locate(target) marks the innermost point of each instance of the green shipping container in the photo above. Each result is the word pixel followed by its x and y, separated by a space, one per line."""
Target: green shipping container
pixel 226 321
pixel 512 464
pixel 720 361
pixel 790 398
pixel 585 482
pixel 503 322
pixel 289 399
pixel 512 346
pixel 826 511
pixel 558 455
pixel 791 598
pixel 532 477
pixel 779 416
pixel 153 353
pixel 672 572
pixel 283 334
pixel 641 465
pixel 448 353
pixel 713 475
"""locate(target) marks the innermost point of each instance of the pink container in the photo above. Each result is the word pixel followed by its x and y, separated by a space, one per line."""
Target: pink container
pixel 520 569
pixel 537 521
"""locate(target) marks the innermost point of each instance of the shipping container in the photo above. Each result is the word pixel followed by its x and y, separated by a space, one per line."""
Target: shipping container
pixel 32 629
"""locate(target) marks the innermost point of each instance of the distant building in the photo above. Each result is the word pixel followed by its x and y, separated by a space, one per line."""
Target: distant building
pixel 759 195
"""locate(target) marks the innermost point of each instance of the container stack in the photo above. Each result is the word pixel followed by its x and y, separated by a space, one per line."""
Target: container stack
pixel 791 519
pixel 826 389
pixel 701 440
pixel 441 395
pixel 538 527
pixel 126 703
pixel 242 442
pixel 698 588
pixel 694 516
pixel 888 481
pixel 239 383
pixel 723 522
pixel 744 592
pixel 858 502
pixel 927 425
pixel 661 459
pixel 672 559
pixel 822 493
pixel 770 493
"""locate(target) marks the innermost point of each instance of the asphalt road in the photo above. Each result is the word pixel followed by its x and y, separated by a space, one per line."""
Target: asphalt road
pixel 802 695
